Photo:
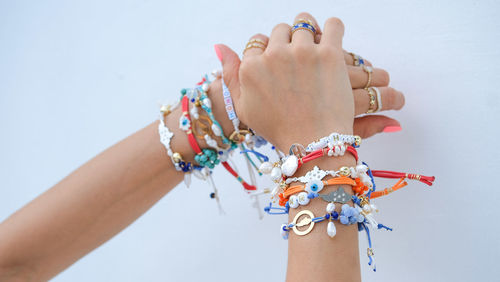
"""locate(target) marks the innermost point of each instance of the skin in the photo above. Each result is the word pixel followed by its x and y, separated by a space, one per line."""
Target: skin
pixel 112 190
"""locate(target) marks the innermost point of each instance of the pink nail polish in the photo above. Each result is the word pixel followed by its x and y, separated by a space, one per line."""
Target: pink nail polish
pixel 395 128
pixel 217 51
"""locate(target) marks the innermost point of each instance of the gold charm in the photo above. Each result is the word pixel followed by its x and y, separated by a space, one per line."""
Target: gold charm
pixel 306 220
pixel 202 126
pixel 238 137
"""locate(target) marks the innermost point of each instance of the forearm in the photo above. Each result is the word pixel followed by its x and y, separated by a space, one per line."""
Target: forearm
pixel 91 205
pixel 316 256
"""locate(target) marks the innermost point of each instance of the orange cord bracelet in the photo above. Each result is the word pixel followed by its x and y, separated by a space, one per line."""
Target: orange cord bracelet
pixel 333 181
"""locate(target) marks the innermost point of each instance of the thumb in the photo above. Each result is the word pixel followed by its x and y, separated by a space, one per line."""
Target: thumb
pixel 230 67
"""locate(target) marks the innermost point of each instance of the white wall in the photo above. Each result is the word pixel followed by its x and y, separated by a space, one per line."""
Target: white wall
pixel 77 76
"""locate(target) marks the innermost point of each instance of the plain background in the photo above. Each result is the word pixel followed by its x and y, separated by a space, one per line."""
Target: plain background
pixel 78 76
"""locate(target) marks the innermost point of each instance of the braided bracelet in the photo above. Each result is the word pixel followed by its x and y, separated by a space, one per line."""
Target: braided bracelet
pixel 205 157
pixel 333 140
pixel 166 137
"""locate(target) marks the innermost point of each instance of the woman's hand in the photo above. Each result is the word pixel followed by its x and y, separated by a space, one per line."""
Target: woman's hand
pixel 365 126
pixel 295 90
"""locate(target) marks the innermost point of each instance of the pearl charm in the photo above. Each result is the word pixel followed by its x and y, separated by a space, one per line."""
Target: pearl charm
pixel 216 130
pixel 331 230
pixel 289 167
pixel 266 167
pixel 275 173
pixel 330 207
pixel 205 87
pixel 207 102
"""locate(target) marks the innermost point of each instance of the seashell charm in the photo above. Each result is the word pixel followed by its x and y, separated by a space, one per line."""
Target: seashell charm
pixel 289 167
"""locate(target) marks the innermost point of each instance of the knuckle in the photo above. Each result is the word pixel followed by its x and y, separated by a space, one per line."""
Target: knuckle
pixel 278 54
pixel 335 22
pixel 303 15
pixel 281 26
pixel 259 36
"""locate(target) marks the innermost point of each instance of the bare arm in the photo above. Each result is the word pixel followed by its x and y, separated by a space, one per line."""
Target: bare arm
pixel 95 202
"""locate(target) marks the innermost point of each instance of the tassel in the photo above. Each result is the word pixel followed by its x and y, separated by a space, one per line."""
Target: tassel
pixel 400 184
pixel 393 174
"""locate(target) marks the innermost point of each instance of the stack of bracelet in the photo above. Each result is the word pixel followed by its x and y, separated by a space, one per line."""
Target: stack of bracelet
pixel 352 209
pixel 360 178
pixel 205 127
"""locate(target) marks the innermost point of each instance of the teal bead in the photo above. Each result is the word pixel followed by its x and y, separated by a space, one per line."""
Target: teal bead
pixel 183 91
pixel 203 158
pixel 217 162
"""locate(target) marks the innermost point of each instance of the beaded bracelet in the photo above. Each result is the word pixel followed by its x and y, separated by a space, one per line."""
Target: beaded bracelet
pixel 166 137
pixel 333 140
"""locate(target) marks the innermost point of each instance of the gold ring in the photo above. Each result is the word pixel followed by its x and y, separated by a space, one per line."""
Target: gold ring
pixel 358 60
pixel 373 98
pixel 369 71
pixel 258 41
pixel 253 45
pixel 303 24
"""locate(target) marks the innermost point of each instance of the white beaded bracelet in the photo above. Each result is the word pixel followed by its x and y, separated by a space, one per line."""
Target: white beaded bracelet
pixel 332 140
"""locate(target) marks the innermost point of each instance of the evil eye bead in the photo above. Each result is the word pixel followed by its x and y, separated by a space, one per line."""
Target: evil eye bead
pixel 293 202
pixel 184 123
pixel 303 199
pixel 314 186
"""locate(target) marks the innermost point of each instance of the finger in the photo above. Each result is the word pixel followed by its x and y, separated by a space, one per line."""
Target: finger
pixel 368 126
pixel 349 60
pixel 391 99
pixel 280 35
pixel 359 77
pixel 230 66
pixel 256 45
pixel 304 35
pixel 333 33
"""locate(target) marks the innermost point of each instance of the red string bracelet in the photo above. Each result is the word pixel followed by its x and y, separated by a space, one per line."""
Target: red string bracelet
pixel 189 132
pixel 324 152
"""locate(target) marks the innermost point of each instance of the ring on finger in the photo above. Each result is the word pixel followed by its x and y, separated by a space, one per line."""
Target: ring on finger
pixel 256 41
pixel 251 45
pixel 358 60
pixel 302 24
pixel 373 99
pixel 369 71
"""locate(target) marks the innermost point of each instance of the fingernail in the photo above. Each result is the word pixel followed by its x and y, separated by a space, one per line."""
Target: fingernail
pixel 393 128
pixel 217 51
